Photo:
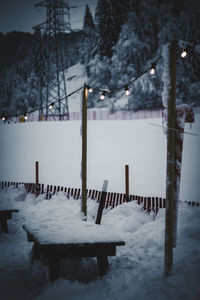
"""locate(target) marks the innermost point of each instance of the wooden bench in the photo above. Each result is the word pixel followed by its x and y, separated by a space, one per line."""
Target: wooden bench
pixel 54 252
pixel 6 214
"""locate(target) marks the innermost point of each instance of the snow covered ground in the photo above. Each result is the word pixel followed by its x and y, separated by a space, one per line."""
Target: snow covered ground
pixel 111 145
pixel 136 272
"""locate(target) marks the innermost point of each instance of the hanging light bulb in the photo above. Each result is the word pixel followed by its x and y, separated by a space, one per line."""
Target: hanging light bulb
pixel 153 69
pixel 184 53
pixel 3 118
pixel 127 91
pixel 25 117
pixel 102 97
pixel 90 89
pixel 51 105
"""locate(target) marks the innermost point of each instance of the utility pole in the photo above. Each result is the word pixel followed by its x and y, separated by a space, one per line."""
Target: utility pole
pixel 84 152
pixel 54 28
pixel 170 188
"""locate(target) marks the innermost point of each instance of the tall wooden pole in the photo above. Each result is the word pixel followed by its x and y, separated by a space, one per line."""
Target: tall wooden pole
pixel 127 182
pixel 84 152
pixel 37 188
pixel 170 189
pixel 184 114
pixel 36 173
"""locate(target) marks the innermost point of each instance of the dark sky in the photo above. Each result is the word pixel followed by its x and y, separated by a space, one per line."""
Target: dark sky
pixel 21 15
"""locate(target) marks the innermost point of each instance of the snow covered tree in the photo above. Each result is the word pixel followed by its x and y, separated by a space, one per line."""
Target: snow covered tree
pixel 7 88
pixel 191 35
pixel 133 53
pixel 89 39
pixel 167 22
pixel 125 62
pixel 188 76
pixel 88 22
pixel 110 15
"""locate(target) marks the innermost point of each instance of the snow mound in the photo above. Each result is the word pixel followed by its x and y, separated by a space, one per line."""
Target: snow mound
pixel 136 272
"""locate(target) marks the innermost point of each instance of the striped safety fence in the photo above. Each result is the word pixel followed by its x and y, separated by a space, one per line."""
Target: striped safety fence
pixel 112 199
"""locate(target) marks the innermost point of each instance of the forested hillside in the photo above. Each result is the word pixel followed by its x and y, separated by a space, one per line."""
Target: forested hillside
pixel 119 42
pixel 126 44
pixel 22 59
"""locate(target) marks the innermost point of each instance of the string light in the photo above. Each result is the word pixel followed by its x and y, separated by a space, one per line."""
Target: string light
pixel 45 106
pixel 90 89
pixel 184 53
pixel 3 118
pixel 127 91
pixel 51 105
pixel 102 97
pixel 153 69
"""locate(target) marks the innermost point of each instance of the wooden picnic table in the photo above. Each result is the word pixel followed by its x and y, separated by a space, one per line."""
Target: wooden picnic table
pixel 54 251
pixel 6 214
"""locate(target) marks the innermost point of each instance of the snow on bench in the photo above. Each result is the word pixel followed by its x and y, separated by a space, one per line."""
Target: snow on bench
pixel 72 239
pixel 57 231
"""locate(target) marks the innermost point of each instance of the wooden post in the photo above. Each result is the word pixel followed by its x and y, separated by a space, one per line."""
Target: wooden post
pixel 169 224
pixel 184 114
pixel 36 173
pixel 37 187
pixel 102 202
pixel 84 152
pixel 127 182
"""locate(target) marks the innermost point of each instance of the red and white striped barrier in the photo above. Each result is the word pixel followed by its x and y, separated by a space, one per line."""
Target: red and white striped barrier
pixel 99 115
pixel 94 115
pixel 112 199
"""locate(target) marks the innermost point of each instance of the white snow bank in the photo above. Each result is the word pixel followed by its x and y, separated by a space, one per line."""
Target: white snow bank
pixel 136 272
pixel 59 221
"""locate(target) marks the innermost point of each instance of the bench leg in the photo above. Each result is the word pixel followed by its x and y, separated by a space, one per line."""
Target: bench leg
pixel 103 264
pixel 36 251
pixel 4 225
pixel 54 268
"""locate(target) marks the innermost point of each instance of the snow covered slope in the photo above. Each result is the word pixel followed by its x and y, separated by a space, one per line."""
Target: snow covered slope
pixel 111 145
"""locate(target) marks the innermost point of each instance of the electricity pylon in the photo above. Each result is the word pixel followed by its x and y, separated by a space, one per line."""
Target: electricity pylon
pixel 53 30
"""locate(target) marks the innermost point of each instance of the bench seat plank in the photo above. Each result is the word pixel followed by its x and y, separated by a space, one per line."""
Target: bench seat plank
pixel 72 233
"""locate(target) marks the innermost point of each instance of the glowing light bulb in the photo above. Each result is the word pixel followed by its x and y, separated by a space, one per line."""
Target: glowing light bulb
pixel 183 53
pixel 153 69
pixel 25 117
pixel 51 105
pixel 127 91
pixel 102 97
pixel 90 89
pixel 3 118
